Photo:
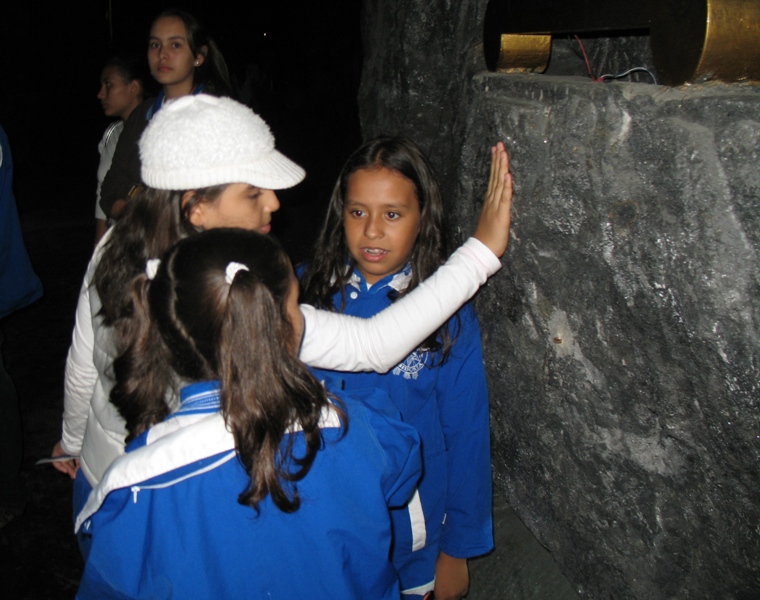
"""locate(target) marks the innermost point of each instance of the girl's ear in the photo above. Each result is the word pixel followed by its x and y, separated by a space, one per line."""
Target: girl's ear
pixel 200 58
pixel 134 88
pixel 197 214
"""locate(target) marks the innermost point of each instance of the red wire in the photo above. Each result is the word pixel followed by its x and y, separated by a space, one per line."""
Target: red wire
pixel 588 64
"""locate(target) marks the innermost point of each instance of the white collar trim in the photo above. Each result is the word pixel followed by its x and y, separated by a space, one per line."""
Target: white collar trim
pixel 173 446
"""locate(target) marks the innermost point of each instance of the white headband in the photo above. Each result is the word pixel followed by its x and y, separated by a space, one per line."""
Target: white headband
pixel 232 270
pixel 151 267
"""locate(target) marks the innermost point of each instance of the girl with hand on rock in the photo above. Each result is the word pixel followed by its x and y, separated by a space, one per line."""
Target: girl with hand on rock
pixel 184 60
pixel 265 463
pixel 121 92
pixel 383 235
pixel 227 180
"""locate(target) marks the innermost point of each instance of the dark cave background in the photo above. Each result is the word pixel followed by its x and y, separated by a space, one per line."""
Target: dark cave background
pixel 307 57
pixel 51 53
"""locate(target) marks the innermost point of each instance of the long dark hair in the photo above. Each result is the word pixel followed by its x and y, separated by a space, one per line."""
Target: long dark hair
pixel 152 222
pixel 213 74
pixel 201 327
pixel 327 274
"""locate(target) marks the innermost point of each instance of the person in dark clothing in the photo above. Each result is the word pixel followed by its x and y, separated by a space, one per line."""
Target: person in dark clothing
pixel 19 286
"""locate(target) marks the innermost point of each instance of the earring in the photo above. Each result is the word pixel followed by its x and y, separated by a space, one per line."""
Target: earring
pixel 197 63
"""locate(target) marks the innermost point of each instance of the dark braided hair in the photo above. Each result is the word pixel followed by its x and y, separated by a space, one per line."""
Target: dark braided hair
pixel 241 334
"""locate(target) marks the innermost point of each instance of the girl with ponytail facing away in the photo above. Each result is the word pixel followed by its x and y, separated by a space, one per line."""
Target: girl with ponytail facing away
pixel 261 471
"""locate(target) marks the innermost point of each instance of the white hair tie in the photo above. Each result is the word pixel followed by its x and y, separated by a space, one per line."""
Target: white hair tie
pixel 232 270
pixel 151 267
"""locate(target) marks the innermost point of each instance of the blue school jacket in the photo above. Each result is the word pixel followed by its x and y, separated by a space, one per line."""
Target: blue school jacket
pixel 448 405
pixel 165 521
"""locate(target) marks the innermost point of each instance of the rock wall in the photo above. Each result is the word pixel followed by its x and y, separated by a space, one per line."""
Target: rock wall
pixel 622 335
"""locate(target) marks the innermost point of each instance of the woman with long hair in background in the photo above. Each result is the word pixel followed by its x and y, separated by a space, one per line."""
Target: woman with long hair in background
pixel 184 60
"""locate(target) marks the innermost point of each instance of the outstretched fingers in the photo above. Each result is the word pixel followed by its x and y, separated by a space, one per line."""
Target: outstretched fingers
pixel 492 179
pixel 500 182
pixel 496 214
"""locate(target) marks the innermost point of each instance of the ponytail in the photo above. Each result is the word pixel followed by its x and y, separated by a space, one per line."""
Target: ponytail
pixel 233 325
pixel 265 390
pixel 214 73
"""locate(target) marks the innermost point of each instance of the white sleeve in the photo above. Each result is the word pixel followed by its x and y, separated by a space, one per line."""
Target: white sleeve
pixel 81 373
pixel 106 147
pixel 343 343
pixel 80 378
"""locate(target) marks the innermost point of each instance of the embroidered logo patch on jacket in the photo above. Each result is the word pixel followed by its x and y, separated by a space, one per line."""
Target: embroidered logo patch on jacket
pixel 413 364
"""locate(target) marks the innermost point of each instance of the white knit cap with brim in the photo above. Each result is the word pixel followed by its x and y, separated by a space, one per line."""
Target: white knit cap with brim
pixel 200 141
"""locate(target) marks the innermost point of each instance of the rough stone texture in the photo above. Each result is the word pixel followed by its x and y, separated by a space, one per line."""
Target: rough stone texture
pixel 622 336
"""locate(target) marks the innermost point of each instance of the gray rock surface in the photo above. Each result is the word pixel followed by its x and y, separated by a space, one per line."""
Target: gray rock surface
pixel 519 568
pixel 622 336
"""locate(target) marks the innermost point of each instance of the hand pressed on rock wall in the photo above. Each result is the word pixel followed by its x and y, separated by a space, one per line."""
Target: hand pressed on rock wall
pixel 496 214
pixel 452 578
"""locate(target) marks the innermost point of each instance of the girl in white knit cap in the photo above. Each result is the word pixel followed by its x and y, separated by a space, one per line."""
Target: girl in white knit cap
pixel 211 162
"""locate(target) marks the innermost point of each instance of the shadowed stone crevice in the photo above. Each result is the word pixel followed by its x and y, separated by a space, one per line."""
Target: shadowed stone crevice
pixel 518 567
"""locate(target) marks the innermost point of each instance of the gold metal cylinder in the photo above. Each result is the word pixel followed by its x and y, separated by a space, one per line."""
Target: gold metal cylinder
pixel 702 40
pixel 524 53
pixel 732 43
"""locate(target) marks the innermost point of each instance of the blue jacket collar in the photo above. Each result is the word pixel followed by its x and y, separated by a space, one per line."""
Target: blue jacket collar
pixel 200 397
